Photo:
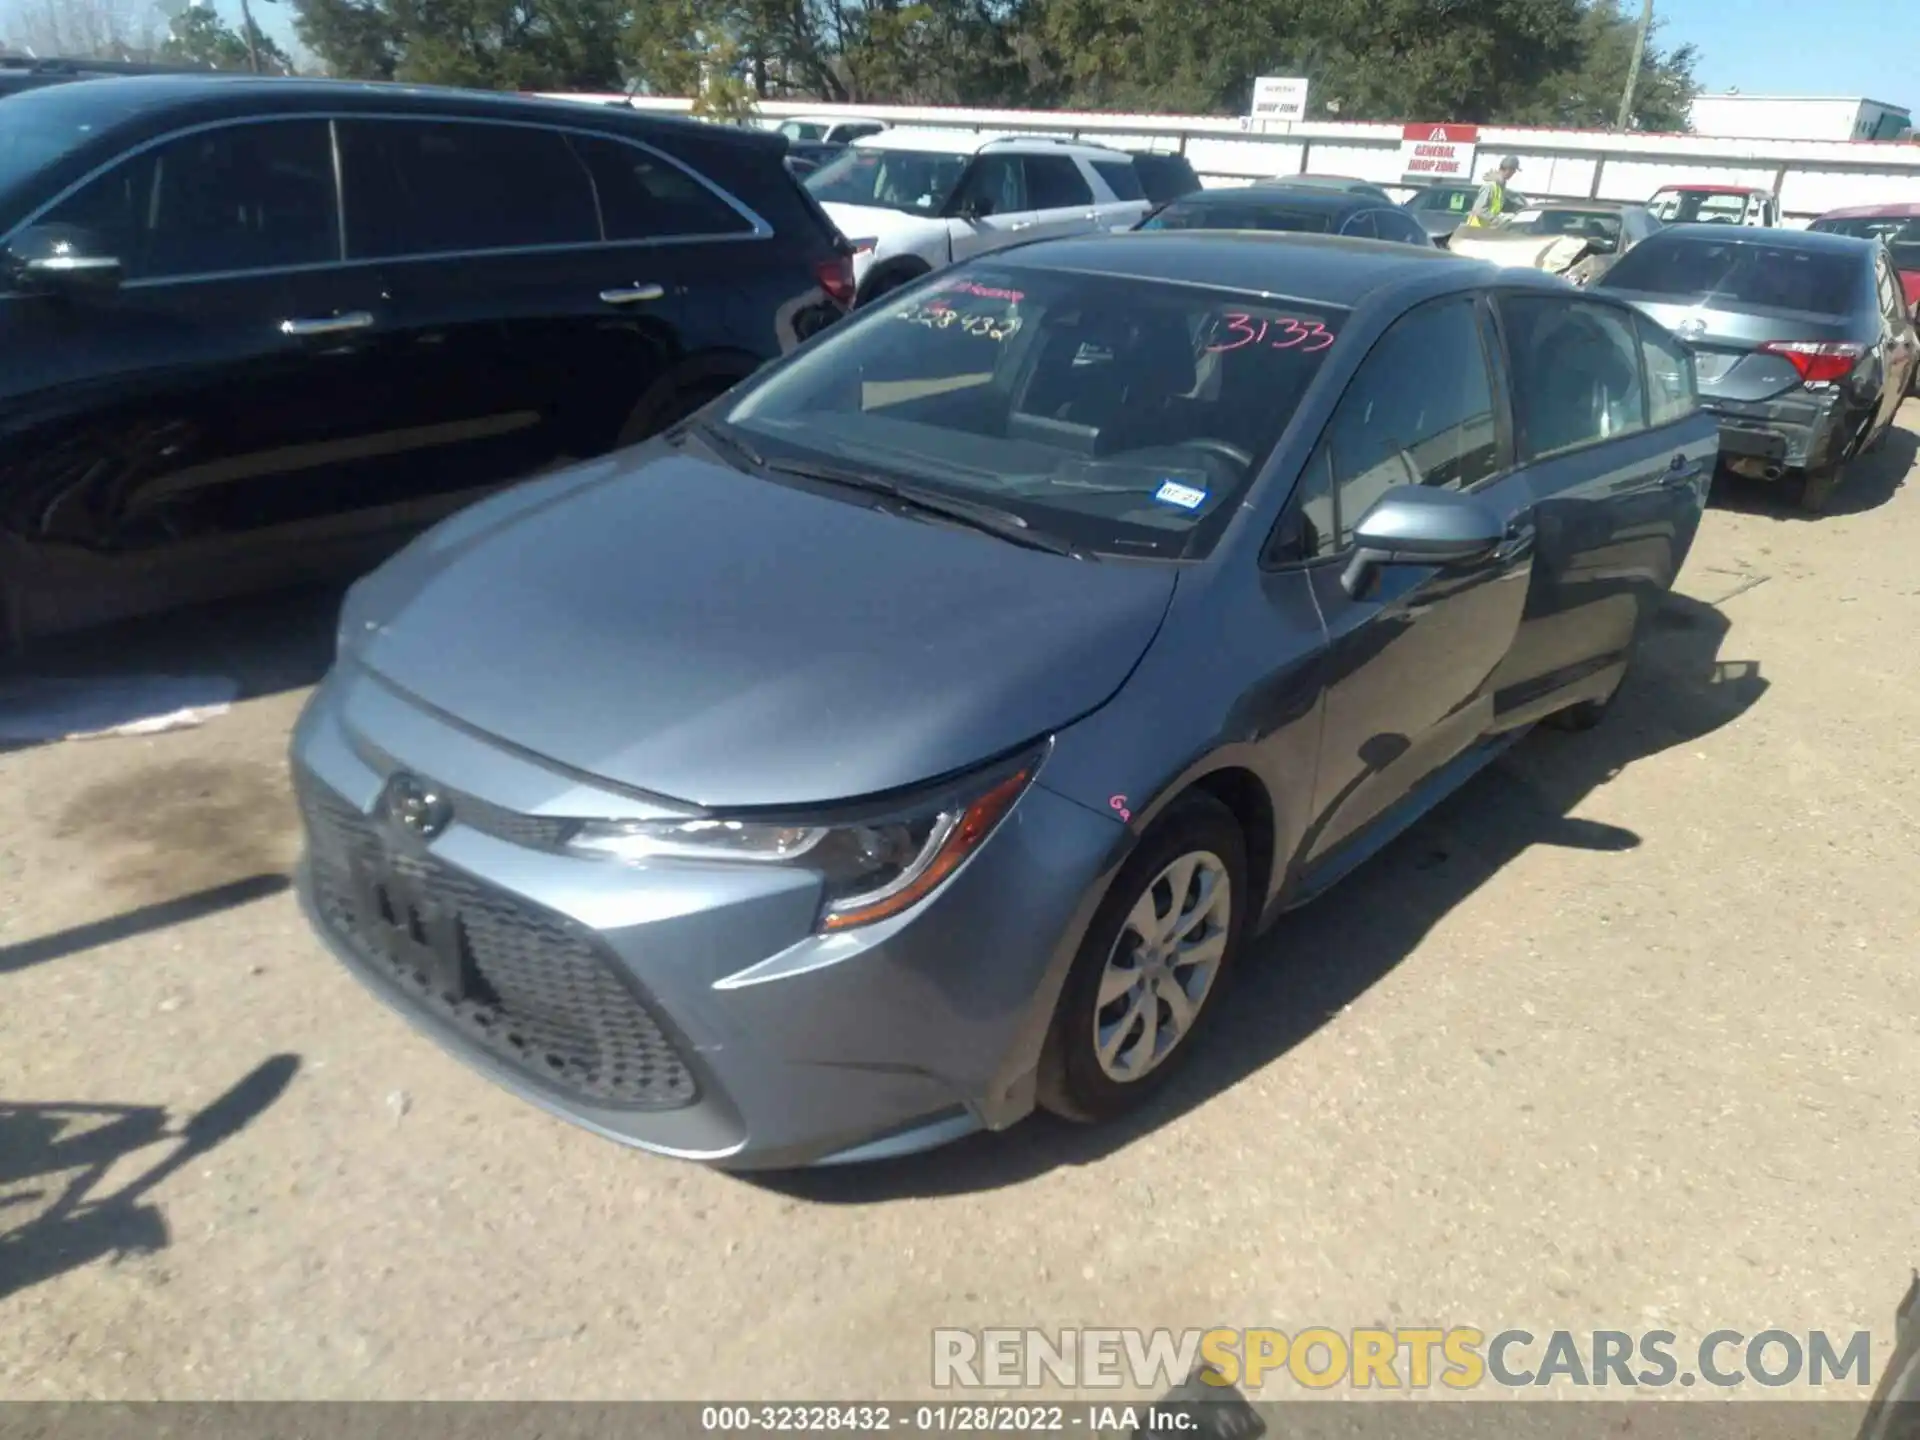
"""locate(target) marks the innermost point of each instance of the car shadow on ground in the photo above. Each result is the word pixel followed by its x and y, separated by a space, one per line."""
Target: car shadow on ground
pixel 68 1152
pixel 1871 481
pixel 263 644
pixel 1320 958
pixel 160 915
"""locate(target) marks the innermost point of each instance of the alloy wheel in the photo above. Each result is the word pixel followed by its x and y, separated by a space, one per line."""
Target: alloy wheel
pixel 1162 966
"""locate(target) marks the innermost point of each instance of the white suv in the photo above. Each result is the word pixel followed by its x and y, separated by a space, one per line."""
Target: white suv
pixel 912 201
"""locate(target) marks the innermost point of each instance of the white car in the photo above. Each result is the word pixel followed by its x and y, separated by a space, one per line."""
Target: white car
pixel 827 130
pixel 912 201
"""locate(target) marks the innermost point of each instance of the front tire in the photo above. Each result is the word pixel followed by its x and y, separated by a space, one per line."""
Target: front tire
pixel 1143 984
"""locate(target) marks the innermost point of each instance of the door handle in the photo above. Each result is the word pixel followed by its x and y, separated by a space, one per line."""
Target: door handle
pixel 326 324
pixel 1022 224
pixel 633 294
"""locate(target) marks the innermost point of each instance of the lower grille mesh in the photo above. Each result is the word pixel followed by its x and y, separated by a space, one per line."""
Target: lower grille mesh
pixel 528 986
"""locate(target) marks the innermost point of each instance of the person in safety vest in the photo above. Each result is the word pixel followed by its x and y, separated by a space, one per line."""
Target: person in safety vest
pixel 1491 202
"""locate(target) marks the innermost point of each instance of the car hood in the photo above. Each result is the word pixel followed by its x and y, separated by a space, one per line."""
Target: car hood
pixel 1554 254
pixel 677 627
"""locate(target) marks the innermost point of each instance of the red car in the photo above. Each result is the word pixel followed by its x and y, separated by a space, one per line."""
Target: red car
pixel 1898 225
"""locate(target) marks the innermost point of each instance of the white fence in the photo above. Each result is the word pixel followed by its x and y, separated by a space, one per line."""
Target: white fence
pixel 1809 177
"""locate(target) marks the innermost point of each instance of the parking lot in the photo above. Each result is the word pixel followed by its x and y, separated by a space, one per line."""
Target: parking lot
pixel 1622 1035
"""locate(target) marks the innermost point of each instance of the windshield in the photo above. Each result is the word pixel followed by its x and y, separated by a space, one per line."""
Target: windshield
pixel 1774 277
pixel 1236 215
pixel 917 181
pixel 1902 234
pixel 1452 199
pixel 1598 225
pixel 1126 416
pixel 1698 207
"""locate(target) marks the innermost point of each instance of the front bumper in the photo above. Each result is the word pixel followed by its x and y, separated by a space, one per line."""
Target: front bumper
pixel 1793 431
pixel 685 1009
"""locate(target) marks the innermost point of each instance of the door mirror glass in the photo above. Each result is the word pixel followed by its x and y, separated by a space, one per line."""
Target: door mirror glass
pixel 1420 525
pixel 62 259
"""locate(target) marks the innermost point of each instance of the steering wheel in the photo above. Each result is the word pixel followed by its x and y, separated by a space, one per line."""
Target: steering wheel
pixel 1219 448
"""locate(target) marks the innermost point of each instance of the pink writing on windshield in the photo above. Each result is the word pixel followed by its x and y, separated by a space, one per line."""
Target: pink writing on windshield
pixel 1306 336
pixel 967 287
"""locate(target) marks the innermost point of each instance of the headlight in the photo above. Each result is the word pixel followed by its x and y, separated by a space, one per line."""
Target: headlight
pixel 871 867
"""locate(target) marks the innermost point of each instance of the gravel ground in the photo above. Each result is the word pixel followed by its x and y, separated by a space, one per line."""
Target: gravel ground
pixel 1621 1037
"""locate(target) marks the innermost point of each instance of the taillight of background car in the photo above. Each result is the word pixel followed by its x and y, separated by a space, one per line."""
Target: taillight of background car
pixel 836 278
pixel 1818 363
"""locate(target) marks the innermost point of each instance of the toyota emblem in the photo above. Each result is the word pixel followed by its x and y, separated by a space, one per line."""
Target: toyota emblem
pixel 416 808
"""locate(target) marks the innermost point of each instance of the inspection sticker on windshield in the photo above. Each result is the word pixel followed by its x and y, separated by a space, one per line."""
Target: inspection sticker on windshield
pixel 1187 497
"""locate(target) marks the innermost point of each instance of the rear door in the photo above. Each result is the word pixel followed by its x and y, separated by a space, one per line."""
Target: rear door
pixel 1618 463
pixel 1061 198
pixel 1411 658
pixel 1129 204
pixel 1898 344
pixel 997 183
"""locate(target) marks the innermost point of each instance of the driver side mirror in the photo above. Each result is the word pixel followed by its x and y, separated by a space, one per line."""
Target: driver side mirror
pixel 1417 525
pixel 61 260
pixel 975 207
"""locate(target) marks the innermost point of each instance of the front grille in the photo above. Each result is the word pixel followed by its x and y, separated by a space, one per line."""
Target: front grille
pixel 528 986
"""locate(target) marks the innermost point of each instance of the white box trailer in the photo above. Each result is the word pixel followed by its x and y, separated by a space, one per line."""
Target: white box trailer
pixel 1798 117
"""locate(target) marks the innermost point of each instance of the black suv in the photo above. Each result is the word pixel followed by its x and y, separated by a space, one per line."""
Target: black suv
pixel 259 330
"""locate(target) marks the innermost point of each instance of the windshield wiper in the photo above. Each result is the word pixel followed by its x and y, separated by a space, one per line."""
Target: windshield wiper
pixel 989 519
pixel 719 439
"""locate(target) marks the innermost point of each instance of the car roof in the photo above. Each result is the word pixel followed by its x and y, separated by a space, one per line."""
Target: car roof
pixel 1895 210
pixel 1604 205
pixel 1308 198
pixel 1701 189
pixel 1814 242
pixel 966 142
pixel 1327 269
pixel 132 99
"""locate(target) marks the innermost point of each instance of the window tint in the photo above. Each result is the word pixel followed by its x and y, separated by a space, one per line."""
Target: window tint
pixel 1362 226
pixel 436 187
pixel 1672 389
pixel 242 197
pixel 1121 178
pixel 643 196
pixel 1395 226
pixel 1054 182
pixel 1779 277
pixel 1418 412
pixel 1127 414
pixel 998 181
pixel 1576 372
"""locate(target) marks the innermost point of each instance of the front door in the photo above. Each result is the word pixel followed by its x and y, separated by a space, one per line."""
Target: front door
pixel 171 428
pixel 1410 656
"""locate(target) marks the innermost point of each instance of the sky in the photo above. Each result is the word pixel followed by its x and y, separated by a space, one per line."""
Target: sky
pixel 1763 47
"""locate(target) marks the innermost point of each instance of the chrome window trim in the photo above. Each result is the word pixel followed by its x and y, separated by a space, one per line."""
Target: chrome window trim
pixel 759 228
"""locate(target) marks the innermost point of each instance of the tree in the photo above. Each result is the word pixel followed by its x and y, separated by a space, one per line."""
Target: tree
pixel 201 37
pixel 1587 95
pixel 82 29
pixel 489 44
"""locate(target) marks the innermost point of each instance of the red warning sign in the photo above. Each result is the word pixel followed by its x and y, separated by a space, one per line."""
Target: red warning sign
pixel 1438 152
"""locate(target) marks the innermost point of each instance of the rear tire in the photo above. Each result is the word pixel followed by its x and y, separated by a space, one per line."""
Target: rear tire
pixel 1818 484
pixel 1158 950
pixel 650 417
pixel 890 282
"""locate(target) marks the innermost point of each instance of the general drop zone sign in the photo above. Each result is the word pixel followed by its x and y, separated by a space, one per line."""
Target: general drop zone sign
pixel 1279 97
pixel 1438 152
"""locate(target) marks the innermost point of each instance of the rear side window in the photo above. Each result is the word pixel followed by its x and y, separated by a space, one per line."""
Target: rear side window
pixel 644 196
pixel 1418 412
pixel 1165 177
pixel 1778 277
pixel 1672 389
pixel 239 198
pixel 1121 178
pixel 417 187
pixel 1576 372
pixel 1054 182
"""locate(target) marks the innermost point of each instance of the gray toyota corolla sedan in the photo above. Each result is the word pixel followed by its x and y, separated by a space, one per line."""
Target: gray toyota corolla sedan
pixel 922 731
